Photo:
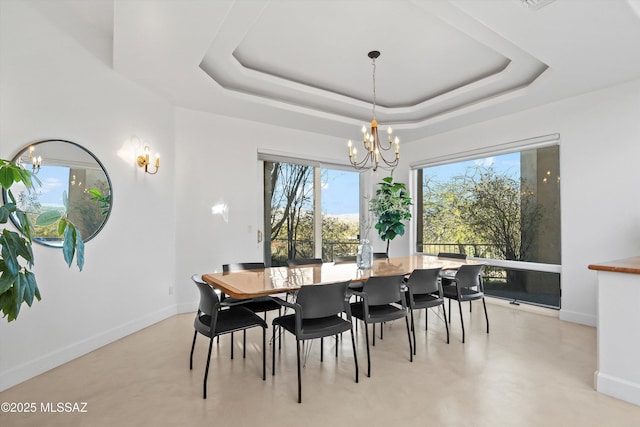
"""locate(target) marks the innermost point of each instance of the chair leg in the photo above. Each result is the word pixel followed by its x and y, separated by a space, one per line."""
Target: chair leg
pixel 355 354
pixel 449 311
pixel 445 322
pixel 337 345
pixel 231 345
pixel 374 335
pixel 299 380
pixel 321 349
pixel 382 330
pixel 264 356
pixel 406 319
pixel 414 333
pixel 195 335
pixel 273 353
pixel 206 371
pixel 366 334
pixel 461 321
pixel 244 344
pixel 470 306
pixel 486 316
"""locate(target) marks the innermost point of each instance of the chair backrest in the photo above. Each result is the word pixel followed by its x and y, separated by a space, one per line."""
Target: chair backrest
pixel 452 255
pixel 208 298
pixel 424 281
pixel 344 259
pixel 383 289
pixel 303 261
pixel 228 268
pixel 322 300
pixel 468 276
pixel 380 255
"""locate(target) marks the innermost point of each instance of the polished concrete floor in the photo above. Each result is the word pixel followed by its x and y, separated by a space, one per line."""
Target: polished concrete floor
pixel 531 370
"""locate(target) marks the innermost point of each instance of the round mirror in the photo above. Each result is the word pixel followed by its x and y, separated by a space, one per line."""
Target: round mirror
pixel 66 171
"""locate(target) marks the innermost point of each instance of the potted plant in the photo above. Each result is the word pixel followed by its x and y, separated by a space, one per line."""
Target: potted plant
pixel 17 281
pixel 391 207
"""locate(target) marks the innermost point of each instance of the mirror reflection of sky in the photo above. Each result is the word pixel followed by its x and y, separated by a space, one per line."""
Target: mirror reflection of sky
pixel 55 180
pixel 340 189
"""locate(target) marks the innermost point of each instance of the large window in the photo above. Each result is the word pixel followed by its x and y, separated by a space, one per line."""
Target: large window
pixel 501 208
pixel 310 212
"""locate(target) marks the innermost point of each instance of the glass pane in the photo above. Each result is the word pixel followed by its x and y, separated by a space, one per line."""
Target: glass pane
pixel 503 207
pixel 289 217
pixel 340 213
pixel 534 287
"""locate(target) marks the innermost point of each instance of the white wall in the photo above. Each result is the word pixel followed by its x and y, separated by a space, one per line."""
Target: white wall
pixel 51 87
pixel 600 200
pixel 217 163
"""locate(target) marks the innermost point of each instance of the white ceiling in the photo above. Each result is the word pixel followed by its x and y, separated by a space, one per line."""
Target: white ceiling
pixel 303 63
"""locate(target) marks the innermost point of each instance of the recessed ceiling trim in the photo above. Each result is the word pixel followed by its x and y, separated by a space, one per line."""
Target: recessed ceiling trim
pixel 536 4
pixel 220 63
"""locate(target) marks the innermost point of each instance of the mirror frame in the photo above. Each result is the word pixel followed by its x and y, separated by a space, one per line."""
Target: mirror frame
pixel 24 149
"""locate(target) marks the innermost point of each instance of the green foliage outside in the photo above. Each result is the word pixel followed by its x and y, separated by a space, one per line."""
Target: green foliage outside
pixel 289 191
pixel 483 207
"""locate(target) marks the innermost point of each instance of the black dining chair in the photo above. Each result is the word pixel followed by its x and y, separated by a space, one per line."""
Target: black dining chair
pixel 303 261
pixel 424 291
pixel 345 259
pixel 454 255
pixel 448 274
pixel 467 287
pixel 257 305
pixel 378 304
pixel 215 318
pixel 317 314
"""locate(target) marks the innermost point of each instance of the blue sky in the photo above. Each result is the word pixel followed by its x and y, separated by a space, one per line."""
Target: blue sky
pixel 340 188
pixel 340 192
pixel 55 180
pixel 505 164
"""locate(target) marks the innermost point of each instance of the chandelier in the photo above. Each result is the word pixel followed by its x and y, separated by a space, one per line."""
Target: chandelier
pixel 374 148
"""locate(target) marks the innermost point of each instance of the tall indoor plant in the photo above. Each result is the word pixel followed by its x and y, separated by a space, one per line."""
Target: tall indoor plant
pixel 391 207
pixel 17 281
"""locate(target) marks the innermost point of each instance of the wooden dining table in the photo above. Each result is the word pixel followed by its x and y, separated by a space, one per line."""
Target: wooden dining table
pixel 277 280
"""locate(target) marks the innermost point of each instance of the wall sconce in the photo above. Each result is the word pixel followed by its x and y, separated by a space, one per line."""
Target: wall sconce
pixel 143 161
pixel 36 162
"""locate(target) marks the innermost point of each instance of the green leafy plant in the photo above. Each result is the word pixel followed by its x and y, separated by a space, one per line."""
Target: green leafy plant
pixel 17 282
pixel 391 206
pixel 104 201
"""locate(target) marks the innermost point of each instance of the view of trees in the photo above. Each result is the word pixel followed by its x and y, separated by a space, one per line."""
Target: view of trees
pixel 504 207
pixel 289 230
pixel 487 214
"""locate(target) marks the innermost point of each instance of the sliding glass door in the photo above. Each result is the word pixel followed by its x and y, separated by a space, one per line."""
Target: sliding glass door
pixel 310 212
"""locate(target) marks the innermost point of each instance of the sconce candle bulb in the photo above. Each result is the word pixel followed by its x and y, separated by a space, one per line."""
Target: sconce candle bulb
pixel 143 161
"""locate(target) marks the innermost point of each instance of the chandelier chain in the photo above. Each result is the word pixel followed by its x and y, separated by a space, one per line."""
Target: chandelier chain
pixel 373 62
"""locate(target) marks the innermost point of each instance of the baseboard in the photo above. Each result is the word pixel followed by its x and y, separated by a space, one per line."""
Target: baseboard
pixel 618 388
pixel 187 307
pixel 577 317
pixel 61 356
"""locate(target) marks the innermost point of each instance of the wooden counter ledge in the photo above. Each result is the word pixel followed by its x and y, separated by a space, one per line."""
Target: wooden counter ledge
pixel 627 265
